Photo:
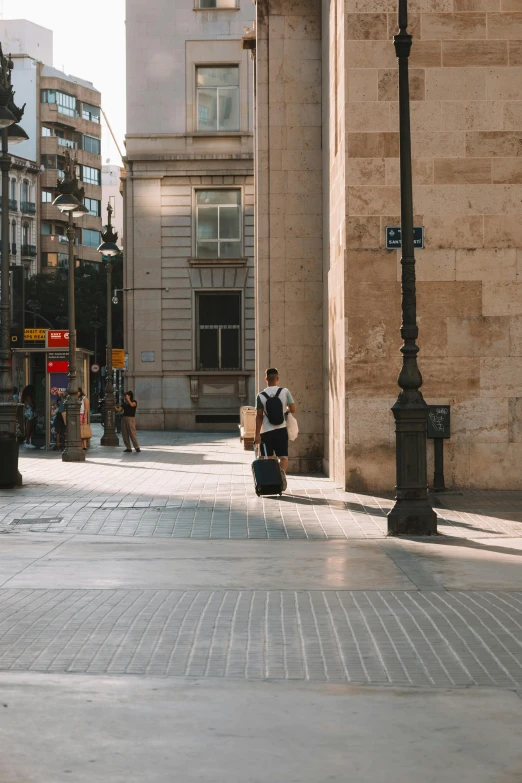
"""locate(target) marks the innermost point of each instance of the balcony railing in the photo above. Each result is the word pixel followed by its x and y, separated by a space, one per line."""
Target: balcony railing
pixel 29 207
pixel 67 143
pixel 29 250
pixel 13 204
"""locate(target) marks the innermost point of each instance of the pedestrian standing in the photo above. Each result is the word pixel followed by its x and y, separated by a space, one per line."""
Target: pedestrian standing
pixel 28 399
pixel 59 421
pixel 128 422
pixel 85 427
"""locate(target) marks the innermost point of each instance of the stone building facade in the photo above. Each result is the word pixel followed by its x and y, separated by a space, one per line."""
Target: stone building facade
pixel 328 185
pixel 189 212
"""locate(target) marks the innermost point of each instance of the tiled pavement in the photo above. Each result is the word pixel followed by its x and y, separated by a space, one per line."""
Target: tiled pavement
pixel 199 485
pixel 407 629
pixel 401 638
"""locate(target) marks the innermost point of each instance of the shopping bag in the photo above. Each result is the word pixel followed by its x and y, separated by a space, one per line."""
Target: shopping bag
pixel 292 426
pixel 85 431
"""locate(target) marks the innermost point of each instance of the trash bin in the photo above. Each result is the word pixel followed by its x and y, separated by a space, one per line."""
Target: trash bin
pixel 8 460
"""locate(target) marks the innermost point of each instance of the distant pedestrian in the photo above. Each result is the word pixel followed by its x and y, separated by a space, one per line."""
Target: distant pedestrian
pixel 85 428
pixel 28 399
pixel 128 422
pixel 59 421
pixel 15 394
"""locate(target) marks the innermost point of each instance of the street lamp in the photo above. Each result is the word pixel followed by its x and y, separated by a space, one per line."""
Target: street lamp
pixel 9 115
pixel 412 513
pixel 69 201
pixel 108 250
pixel 34 306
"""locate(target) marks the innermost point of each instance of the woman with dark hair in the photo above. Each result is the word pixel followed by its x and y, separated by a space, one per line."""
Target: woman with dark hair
pixel 128 422
pixel 28 399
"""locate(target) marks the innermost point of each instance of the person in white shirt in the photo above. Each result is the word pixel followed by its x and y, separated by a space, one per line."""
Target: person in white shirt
pixel 271 428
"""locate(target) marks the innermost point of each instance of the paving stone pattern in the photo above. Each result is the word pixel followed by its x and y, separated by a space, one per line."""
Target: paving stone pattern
pixel 199 485
pixel 431 638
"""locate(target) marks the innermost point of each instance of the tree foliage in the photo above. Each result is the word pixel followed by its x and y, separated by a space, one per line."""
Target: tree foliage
pixel 90 287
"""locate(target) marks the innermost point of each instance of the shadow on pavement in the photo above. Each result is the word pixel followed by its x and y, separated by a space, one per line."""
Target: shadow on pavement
pixel 465 543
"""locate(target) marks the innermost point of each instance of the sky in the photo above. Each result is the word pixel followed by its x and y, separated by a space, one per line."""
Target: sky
pixel 89 42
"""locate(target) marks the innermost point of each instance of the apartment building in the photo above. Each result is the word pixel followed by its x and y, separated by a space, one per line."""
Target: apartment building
pixel 189 227
pixel 69 119
pixel 62 112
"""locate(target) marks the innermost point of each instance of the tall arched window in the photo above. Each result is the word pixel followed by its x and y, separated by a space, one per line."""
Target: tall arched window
pixel 12 190
pixel 13 237
pixel 25 191
pixel 26 234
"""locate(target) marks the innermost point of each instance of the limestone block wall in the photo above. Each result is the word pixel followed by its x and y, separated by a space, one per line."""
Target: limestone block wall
pixel 466 90
pixel 289 273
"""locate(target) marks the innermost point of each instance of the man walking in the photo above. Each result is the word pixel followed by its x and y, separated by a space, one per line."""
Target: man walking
pixel 128 422
pixel 272 405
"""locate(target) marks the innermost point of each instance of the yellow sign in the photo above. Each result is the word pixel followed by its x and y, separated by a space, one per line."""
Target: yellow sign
pixel 35 335
pixel 118 358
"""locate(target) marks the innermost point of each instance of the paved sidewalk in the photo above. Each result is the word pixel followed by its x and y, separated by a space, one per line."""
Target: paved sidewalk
pixel 158 621
pixel 199 485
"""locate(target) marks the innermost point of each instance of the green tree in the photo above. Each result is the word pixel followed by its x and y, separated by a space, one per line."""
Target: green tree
pixel 90 286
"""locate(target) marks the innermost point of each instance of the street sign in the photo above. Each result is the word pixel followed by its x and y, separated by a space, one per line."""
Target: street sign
pixel 438 421
pixel 35 335
pixel 118 358
pixel 57 338
pixel 55 365
pixel 393 237
pixel 95 368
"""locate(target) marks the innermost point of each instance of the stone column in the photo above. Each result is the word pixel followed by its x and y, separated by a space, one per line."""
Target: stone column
pixel 289 212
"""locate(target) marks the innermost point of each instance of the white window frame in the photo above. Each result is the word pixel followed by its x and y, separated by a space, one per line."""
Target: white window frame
pixel 218 258
pixel 217 89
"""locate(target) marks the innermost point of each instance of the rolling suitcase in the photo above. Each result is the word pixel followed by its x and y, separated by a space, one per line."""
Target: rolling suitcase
pixel 267 476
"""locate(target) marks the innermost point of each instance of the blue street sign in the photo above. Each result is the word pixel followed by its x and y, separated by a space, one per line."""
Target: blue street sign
pixel 393 237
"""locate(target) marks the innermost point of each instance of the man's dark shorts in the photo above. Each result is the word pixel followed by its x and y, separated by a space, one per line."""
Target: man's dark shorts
pixel 276 441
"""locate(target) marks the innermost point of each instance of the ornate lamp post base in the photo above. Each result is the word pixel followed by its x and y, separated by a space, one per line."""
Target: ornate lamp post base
pixel 10 476
pixel 73 450
pixel 412 514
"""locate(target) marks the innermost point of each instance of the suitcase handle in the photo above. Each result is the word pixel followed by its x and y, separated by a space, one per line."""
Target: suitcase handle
pixel 257 450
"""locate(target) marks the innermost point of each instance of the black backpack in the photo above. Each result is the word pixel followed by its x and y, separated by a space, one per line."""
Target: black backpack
pixel 274 408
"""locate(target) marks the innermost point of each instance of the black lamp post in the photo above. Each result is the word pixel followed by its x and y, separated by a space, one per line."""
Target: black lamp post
pixel 10 116
pixel 412 513
pixel 69 200
pixel 34 306
pixel 108 250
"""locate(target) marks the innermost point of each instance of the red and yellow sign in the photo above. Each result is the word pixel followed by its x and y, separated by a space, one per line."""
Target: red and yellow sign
pixel 57 338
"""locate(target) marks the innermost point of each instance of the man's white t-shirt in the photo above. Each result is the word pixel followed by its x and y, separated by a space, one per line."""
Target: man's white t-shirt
pixel 286 399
